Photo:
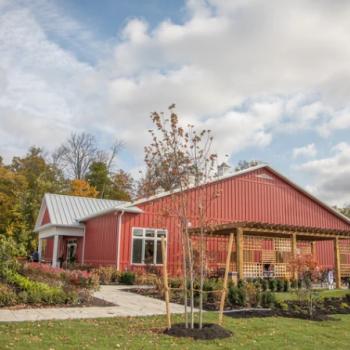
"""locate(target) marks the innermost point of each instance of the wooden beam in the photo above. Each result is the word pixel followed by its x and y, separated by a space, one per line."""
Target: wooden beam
pixel 227 267
pixel 294 254
pixel 313 250
pixel 337 263
pixel 239 252
pixel 166 285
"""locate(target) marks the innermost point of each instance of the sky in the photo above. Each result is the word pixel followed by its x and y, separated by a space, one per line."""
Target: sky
pixel 271 79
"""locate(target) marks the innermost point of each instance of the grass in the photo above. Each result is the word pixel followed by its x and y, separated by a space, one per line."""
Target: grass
pixel 144 333
pixel 324 293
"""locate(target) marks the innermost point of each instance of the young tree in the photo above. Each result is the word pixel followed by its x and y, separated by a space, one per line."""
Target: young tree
pixel 179 158
pixel 308 272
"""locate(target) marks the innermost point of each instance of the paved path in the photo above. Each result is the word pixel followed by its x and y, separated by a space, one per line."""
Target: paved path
pixel 128 304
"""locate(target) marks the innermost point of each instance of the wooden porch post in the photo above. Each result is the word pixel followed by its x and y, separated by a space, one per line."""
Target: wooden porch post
pixel 55 250
pixel 294 254
pixel 313 250
pixel 224 288
pixel 239 252
pixel 165 281
pixel 337 263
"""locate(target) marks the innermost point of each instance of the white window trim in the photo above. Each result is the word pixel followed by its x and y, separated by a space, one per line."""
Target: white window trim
pixel 144 238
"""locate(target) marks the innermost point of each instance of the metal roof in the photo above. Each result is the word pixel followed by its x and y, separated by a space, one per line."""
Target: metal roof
pixel 68 210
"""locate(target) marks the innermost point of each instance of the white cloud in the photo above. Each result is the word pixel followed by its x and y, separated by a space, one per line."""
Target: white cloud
pixel 305 151
pixel 245 69
pixel 331 175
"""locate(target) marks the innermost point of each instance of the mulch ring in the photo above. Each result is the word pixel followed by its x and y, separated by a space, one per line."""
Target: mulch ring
pixel 208 332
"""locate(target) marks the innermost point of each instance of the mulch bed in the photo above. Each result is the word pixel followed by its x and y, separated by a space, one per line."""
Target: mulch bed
pixel 93 301
pixel 296 309
pixel 208 332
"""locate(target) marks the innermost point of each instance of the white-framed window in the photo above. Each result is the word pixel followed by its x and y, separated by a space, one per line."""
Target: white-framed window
pixel 147 245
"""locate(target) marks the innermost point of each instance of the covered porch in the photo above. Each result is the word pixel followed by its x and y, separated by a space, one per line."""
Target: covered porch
pixel 59 244
pixel 267 250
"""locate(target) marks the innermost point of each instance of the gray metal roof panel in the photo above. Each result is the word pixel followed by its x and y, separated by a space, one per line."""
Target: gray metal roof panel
pixel 66 210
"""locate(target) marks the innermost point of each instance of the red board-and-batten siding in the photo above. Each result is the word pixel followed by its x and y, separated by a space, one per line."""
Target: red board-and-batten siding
pixel 247 197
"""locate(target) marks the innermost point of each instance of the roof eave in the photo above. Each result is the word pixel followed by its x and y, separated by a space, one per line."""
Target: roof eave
pixel 133 210
pixel 224 177
pixel 311 196
pixel 46 226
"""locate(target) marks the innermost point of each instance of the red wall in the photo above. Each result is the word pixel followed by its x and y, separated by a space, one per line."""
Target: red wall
pixel 46 218
pixel 101 240
pixel 242 198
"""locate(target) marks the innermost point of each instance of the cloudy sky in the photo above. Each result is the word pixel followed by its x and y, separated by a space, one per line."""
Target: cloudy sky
pixel 270 78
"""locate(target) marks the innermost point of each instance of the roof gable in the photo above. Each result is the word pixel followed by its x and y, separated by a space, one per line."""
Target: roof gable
pixel 67 210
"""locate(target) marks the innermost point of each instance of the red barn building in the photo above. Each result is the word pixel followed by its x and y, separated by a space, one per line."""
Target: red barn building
pixel 273 220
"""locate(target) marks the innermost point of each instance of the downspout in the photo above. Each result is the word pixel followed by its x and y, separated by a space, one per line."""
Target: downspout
pixel 83 250
pixel 119 237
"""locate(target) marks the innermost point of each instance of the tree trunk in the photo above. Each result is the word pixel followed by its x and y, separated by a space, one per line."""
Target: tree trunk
pixel 184 262
pixel 201 280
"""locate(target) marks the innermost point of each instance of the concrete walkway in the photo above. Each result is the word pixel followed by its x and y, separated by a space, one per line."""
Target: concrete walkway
pixel 128 304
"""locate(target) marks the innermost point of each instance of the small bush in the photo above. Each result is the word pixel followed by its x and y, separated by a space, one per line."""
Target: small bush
pixel 240 284
pixel 7 296
pixel 280 285
pixel 253 294
pixel 107 274
pixel 294 284
pixel 264 285
pixel 237 296
pixel 286 286
pixel 283 306
pixel 175 282
pixel 273 285
pixel 267 299
pixel 344 305
pixel 127 277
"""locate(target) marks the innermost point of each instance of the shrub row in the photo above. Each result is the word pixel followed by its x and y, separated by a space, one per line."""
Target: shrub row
pixel 272 284
pixel 249 295
pixel 77 278
pixel 110 274
pixel 38 292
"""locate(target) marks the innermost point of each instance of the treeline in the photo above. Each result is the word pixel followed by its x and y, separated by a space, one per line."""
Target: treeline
pixel 77 167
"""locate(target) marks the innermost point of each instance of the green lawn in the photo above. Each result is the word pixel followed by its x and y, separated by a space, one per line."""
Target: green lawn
pixel 143 333
pixel 324 293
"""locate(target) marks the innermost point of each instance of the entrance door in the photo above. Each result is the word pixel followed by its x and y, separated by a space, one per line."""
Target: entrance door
pixel 71 251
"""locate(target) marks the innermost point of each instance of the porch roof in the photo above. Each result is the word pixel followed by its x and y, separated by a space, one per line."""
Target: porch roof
pixel 268 229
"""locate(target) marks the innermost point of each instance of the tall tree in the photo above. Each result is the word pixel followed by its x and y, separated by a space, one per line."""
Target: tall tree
pixel 77 154
pixel 122 186
pixel 22 186
pixel 79 151
pixel 98 177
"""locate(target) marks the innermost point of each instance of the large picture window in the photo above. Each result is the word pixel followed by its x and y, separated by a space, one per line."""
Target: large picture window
pixel 146 246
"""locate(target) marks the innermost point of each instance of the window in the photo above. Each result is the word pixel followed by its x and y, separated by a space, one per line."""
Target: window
pixel 147 246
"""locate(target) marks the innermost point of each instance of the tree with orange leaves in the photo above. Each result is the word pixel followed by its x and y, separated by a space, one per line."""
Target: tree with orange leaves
pixel 82 188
